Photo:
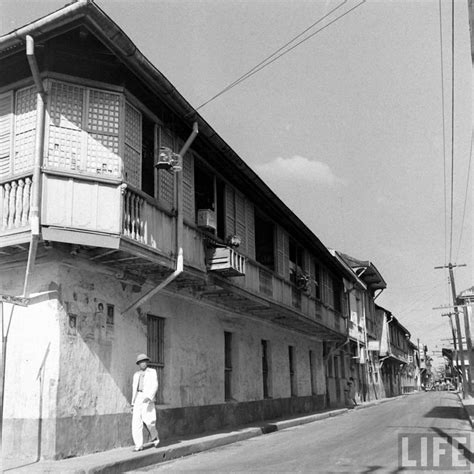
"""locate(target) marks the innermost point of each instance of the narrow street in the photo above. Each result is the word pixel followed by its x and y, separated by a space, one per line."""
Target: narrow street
pixel 361 441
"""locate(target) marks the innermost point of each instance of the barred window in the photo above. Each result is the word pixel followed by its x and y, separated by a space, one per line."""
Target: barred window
pixel 155 350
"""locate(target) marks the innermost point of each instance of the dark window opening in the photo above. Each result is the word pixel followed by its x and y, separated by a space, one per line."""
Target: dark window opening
pixel 265 368
pixel 291 359
pixel 148 156
pixel 311 372
pixel 264 241
pixel 204 188
pixel 227 365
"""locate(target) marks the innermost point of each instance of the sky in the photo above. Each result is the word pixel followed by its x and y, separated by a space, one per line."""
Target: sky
pixel 347 128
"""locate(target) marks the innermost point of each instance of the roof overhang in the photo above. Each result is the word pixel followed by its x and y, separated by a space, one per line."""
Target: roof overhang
pixel 86 13
pixel 366 271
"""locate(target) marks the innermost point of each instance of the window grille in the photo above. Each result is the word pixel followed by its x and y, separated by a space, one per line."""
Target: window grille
pixel 155 350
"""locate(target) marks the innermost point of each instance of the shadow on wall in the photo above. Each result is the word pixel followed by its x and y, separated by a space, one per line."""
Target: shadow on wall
pixel 94 389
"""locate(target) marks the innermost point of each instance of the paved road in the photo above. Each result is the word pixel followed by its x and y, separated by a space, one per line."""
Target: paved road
pixel 364 441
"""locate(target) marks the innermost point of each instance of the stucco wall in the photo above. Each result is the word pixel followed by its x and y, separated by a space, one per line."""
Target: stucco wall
pixel 32 366
pixel 89 383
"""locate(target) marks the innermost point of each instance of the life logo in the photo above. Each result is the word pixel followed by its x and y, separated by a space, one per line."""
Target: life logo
pixel 437 450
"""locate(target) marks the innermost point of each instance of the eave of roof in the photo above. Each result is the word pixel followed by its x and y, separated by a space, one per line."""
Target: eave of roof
pixel 370 274
pixel 350 273
pixel 100 24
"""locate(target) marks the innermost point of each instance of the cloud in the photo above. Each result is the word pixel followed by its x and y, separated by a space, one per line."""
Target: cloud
pixel 298 169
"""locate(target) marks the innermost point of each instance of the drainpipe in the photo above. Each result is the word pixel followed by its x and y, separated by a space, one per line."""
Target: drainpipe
pixel 38 161
pixel 179 229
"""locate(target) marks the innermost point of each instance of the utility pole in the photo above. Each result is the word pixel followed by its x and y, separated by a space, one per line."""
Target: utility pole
pixel 450 267
pixel 455 345
pixel 470 355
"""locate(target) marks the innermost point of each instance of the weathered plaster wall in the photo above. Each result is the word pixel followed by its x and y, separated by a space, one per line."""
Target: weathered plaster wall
pixel 98 351
pixel 195 374
pixel 32 366
pixel 86 407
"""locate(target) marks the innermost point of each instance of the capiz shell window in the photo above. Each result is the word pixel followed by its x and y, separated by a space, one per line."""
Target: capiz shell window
pixel 84 130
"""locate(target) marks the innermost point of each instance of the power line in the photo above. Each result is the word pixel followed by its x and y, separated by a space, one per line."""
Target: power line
pixel 465 197
pixel 274 56
pixel 444 135
pixel 243 76
pixel 452 132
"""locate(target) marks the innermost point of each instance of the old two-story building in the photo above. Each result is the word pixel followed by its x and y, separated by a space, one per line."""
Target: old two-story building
pixel 398 360
pixel 130 226
pixel 366 286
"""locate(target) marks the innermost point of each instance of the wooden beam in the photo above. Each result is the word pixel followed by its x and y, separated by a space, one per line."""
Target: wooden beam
pixel 103 254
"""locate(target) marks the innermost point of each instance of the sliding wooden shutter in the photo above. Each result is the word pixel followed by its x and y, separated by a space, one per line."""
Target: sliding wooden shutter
pixel 165 177
pixel 250 228
pixel 6 129
pixel 188 182
pixel 229 211
pixel 283 253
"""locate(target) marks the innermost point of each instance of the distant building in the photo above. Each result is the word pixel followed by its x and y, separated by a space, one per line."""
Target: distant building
pixel 466 315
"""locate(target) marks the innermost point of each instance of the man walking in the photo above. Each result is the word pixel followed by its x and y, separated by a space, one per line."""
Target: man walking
pixel 145 385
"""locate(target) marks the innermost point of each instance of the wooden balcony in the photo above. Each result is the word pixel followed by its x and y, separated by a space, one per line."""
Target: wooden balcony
pixel 114 224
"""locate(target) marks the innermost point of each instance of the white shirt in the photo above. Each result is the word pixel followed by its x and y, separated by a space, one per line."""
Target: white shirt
pixel 150 383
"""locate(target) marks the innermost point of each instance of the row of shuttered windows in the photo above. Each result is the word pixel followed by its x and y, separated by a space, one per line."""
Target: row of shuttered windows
pixel 85 134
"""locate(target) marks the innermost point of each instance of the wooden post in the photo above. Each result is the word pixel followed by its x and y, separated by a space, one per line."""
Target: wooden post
pixel 467 330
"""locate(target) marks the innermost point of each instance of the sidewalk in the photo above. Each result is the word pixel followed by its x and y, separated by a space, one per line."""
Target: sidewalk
pixel 124 459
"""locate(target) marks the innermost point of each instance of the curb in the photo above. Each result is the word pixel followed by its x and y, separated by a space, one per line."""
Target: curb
pixel 167 454
pixel 127 461
pixel 204 444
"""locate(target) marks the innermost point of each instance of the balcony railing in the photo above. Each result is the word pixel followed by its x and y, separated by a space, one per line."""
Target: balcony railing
pixel 15 204
pixel 133 220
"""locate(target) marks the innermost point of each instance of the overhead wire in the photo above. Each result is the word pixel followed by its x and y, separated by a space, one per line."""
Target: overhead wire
pixel 443 111
pixel 466 194
pixel 275 56
pixel 452 133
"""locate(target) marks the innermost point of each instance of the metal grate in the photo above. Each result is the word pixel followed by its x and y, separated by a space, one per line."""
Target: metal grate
pixel 155 350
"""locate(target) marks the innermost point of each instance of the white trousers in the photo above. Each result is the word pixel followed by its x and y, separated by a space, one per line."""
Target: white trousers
pixel 143 413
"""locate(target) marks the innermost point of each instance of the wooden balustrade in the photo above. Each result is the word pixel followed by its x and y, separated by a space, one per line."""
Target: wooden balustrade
pixel 134 220
pixel 15 203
